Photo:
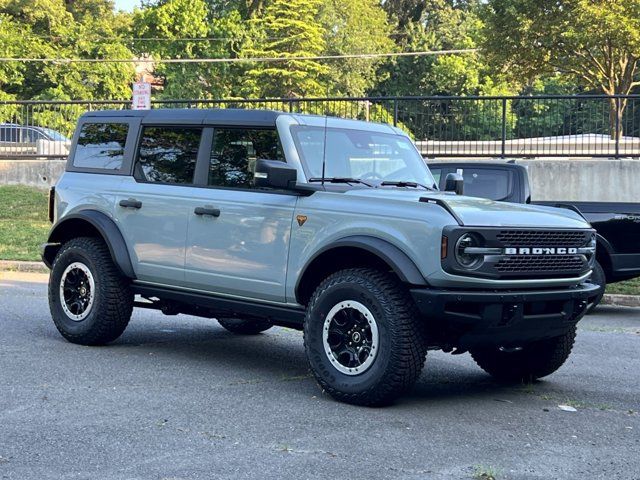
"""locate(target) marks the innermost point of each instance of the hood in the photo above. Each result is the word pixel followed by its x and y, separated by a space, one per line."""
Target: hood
pixel 481 212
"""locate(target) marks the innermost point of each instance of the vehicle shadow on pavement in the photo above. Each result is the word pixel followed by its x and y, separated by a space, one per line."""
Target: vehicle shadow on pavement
pixel 278 356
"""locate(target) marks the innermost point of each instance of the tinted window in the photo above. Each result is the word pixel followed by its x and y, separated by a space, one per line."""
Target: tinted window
pixel 9 134
pixel 234 155
pixel 487 183
pixel 168 154
pixel 101 145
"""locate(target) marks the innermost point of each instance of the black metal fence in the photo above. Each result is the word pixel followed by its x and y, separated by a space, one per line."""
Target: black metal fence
pixel 516 126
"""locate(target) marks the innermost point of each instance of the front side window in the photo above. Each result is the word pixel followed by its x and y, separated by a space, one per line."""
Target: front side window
pixel 370 156
pixel 101 145
pixel 234 154
pixel 168 154
pixel 31 135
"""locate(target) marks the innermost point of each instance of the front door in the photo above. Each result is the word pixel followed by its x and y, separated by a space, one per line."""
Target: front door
pixel 238 236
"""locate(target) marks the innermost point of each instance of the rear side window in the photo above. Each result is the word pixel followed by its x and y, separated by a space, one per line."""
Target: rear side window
pixel 234 155
pixel 168 154
pixel 9 134
pixel 101 146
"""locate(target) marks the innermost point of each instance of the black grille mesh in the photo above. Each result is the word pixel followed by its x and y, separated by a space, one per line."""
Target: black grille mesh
pixel 542 238
pixel 539 263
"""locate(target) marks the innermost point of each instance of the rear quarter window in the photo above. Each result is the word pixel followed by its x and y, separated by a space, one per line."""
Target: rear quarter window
pixel 101 146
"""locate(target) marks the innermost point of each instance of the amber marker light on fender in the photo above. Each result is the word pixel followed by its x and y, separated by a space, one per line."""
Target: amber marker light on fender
pixel 444 247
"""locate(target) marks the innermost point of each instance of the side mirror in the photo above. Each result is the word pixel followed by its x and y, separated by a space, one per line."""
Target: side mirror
pixel 454 183
pixel 274 174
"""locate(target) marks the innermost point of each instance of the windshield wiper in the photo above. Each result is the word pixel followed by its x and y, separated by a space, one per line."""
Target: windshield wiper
pixel 340 180
pixel 389 183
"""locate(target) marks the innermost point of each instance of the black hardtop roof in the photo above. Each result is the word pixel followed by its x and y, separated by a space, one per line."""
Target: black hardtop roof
pixel 195 116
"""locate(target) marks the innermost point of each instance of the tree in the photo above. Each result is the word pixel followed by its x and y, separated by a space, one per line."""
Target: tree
pixel 45 28
pixel 289 29
pixel 596 42
pixel 405 12
pixel 354 26
pixel 446 25
pixel 174 23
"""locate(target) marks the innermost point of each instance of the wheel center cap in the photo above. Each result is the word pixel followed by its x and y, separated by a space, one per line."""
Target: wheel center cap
pixel 83 291
pixel 356 337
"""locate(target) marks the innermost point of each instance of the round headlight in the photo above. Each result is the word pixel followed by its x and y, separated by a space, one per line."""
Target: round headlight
pixel 466 259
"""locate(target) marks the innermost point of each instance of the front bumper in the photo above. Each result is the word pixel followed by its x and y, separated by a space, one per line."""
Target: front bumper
pixel 471 318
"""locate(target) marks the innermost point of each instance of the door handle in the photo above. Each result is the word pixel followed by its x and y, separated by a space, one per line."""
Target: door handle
pixel 131 203
pixel 214 212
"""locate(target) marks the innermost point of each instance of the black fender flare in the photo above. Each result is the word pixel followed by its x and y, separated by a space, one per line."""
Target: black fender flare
pixel 606 251
pixel 107 229
pixel 399 262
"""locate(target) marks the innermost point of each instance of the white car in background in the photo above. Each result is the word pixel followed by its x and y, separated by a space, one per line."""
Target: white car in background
pixel 23 140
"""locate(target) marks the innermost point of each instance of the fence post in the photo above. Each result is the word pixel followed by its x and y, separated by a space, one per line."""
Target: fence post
pixel 504 128
pixel 618 105
pixel 395 112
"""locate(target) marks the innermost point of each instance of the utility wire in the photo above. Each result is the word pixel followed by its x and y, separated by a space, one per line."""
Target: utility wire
pixel 166 39
pixel 152 39
pixel 241 60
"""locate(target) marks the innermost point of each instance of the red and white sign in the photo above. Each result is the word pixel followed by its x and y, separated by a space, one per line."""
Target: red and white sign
pixel 141 96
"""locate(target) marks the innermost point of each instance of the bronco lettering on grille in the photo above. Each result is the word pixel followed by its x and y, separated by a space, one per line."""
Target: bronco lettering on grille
pixel 541 251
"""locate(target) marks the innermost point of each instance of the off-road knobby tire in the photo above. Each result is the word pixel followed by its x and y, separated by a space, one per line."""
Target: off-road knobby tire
pixel 243 326
pixel 598 277
pixel 113 302
pixel 534 361
pixel 402 349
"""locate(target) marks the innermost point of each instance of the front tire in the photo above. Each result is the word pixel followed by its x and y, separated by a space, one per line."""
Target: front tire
pixel 90 301
pixel 533 361
pixel 363 337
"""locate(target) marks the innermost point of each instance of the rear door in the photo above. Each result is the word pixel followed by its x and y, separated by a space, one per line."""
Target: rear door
pixel 238 240
pixel 153 205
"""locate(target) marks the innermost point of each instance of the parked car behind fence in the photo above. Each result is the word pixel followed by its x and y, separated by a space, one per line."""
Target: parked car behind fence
pixel 24 140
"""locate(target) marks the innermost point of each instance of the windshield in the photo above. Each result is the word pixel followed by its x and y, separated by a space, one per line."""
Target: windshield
pixel 360 154
pixel 53 135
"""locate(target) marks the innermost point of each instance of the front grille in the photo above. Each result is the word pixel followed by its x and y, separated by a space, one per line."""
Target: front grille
pixel 539 263
pixel 543 238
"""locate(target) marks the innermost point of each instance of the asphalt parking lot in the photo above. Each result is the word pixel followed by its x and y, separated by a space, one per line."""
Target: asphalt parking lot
pixel 180 398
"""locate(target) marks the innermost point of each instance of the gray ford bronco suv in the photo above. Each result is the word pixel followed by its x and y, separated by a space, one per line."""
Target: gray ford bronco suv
pixel 331 226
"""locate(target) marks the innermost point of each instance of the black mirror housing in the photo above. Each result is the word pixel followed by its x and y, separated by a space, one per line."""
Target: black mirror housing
pixel 274 174
pixel 454 183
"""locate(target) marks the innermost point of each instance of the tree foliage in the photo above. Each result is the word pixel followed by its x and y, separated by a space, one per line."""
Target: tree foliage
pixel 594 42
pixel 288 30
pixel 173 21
pixel 59 29
pixel 354 26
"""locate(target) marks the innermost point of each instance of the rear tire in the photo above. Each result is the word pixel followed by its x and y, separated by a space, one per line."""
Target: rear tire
pixel 534 361
pixel 598 277
pixel 90 301
pixel 242 326
pixel 363 337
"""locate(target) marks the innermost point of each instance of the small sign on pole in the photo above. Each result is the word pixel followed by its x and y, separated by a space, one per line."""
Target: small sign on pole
pixel 141 96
